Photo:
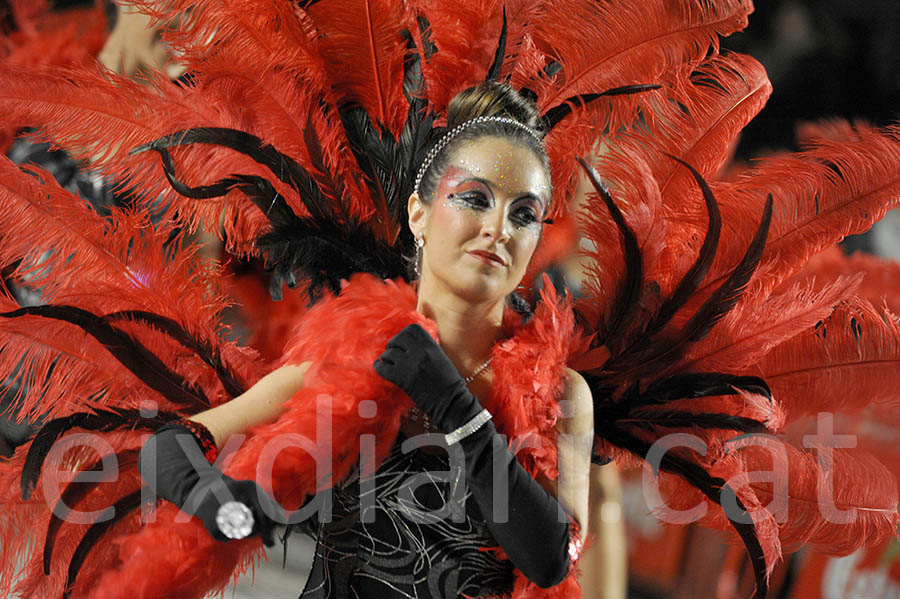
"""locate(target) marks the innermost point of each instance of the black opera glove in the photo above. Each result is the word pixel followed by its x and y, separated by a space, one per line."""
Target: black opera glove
pixel 535 530
pixel 184 477
pixel 414 362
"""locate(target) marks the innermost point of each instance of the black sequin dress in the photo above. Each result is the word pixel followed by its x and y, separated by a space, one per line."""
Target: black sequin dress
pixel 409 531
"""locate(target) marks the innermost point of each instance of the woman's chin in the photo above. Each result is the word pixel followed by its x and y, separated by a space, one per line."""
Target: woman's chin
pixel 474 286
pixel 481 289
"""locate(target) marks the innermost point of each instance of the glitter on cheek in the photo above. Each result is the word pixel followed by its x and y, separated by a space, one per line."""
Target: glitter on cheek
pixel 454 202
pixel 532 230
pixel 465 214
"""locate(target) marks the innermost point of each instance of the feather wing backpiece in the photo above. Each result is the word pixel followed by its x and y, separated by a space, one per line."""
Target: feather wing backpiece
pixel 301 127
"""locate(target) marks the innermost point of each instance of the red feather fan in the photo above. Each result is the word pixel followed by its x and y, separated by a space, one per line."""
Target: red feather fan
pixel 821 195
pixel 465 36
pixel 697 124
pixel 856 347
pixel 44 37
pixel 761 322
pixel 880 285
pixel 100 118
pixel 702 118
pixel 611 45
pixel 836 500
pixel 253 34
pixel 628 42
pixel 77 258
pixel 361 41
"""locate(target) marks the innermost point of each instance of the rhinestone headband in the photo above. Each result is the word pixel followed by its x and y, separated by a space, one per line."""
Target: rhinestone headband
pixel 448 137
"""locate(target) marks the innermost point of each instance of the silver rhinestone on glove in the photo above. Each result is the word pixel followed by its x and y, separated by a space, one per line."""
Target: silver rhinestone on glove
pixel 235 520
pixel 468 428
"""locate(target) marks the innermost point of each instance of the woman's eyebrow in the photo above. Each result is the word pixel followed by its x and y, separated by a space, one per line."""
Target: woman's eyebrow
pixel 522 195
pixel 482 180
pixel 473 179
pixel 530 195
pixel 527 196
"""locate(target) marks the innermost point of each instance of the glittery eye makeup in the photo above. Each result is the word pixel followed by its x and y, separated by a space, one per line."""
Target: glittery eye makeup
pixel 471 193
pixel 473 200
pixel 526 213
pixel 491 200
pixel 476 195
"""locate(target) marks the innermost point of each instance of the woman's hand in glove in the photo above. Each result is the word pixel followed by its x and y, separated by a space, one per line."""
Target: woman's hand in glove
pixel 530 529
pixel 414 362
pixel 173 465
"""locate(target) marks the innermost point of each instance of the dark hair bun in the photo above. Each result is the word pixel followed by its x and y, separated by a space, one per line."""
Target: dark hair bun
pixel 491 98
pixel 487 99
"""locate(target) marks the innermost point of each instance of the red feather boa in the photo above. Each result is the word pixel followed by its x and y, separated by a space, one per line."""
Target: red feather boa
pixel 343 335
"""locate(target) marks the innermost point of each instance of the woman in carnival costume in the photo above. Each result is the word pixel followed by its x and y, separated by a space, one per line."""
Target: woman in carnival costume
pixel 320 130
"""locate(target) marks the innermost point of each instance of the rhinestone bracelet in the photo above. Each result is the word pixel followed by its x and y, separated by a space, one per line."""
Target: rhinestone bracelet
pixel 468 428
pixel 204 437
pixel 576 543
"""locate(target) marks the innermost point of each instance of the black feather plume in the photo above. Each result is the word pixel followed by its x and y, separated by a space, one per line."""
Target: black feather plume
pixel 331 187
pixel 130 352
pixel 675 419
pixel 428 46
pixel 174 330
pixel 629 291
pixel 122 509
pixel 692 279
pixel 726 295
pixel 99 420
pixel 659 355
pixel 554 115
pixel 417 133
pixel 377 154
pixel 324 253
pixel 701 384
pixel 713 487
pixel 80 486
pixel 285 168
pixel 499 54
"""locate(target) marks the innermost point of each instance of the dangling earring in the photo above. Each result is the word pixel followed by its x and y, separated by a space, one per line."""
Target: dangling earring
pixel 420 243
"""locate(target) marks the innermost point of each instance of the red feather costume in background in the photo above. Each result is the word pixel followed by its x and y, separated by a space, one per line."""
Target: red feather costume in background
pixel 304 123
pixel 32 36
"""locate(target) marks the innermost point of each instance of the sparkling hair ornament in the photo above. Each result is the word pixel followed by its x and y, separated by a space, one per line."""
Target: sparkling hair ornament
pixel 450 135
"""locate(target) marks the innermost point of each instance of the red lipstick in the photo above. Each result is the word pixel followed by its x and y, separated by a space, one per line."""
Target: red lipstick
pixel 488 257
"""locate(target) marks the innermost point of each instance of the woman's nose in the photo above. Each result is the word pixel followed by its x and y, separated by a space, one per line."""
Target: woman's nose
pixel 496 226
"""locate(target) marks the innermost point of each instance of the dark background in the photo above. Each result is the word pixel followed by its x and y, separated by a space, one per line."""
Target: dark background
pixel 826 59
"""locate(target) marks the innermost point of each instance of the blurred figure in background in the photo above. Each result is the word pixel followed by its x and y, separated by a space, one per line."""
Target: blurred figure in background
pixel 72 33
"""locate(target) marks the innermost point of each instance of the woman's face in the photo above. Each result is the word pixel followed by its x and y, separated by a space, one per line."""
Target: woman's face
pixel 485 220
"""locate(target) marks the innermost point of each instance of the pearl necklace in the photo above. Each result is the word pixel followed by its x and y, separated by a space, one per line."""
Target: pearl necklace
pixel 417 415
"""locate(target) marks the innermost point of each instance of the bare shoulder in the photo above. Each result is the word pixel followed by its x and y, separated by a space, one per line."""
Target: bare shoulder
pixel 577 405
